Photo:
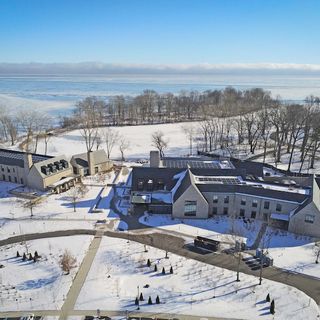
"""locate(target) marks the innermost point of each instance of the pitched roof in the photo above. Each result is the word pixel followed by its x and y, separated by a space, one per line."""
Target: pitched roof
pixel 81 159
pixel 16 158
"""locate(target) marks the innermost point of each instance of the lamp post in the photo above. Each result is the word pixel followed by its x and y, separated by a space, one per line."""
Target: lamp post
pixel 261 266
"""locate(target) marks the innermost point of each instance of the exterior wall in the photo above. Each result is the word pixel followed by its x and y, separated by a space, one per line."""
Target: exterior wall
pixel 36 181
pixel 191 194
pixel 235 205
pixel 13 174
pixel 297 223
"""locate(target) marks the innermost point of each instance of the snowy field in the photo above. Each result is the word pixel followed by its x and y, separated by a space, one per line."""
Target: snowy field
pixel 38 285
pixel 139 138
pixel 120 268
pixel 289 251
pixel 218 228
pixel 55 212
pixel 292 252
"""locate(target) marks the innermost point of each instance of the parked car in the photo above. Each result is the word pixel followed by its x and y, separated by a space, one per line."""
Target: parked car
pixel 27 317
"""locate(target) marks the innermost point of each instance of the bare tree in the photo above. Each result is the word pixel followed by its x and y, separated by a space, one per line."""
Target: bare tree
pixel 28 119
pixel 189 131
pixel 46 137
pixel 110 137
pixel 76 193
pixel 316 251
pixel 123 147
pixel 67 262
pixel 88 114
pixel 9 125
pixel 159 142
pixel 31 205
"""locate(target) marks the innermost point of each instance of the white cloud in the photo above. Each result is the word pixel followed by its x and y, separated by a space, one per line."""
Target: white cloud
pixel 114 68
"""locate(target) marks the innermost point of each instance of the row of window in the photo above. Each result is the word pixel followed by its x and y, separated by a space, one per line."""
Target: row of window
pixel 266 204
pixel 15 180
pixel 190 210
pixel 241 213
pixel 8 169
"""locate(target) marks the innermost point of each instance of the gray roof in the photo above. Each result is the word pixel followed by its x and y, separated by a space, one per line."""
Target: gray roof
pixel 81 159
pixel 259 192
pixel 16 158
pixel 165 175
pixel 184 185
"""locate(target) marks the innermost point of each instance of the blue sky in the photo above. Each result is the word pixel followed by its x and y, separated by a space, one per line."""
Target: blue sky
pixel 160 31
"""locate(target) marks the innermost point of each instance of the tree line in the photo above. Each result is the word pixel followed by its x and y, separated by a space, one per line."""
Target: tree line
pixel 151 107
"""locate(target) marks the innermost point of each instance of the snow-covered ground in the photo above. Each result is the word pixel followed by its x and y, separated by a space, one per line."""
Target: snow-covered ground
pixel 292 252
pixel 55 211
pixel 218 228
pixel 120 270
pixel 139 138
pixel 289 251
pixel 41 285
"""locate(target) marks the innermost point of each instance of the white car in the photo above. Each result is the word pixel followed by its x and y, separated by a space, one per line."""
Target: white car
pixel 28 317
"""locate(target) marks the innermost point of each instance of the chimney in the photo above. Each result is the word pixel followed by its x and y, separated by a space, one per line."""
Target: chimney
pixel 90 163
pixel 154 159
pixel 27 161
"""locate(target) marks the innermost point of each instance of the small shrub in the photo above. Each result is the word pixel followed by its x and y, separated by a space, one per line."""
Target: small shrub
pixel 163 270
pixel 155 268
pixel 157 300
pixel 30 257
pixel 149 300
pixel 24 257
pixel 141 297
pixel 36 254
pixel 67 262
pixel 148 263
pixel 136 302
pixel 171 270
pixel 268 297
pixel 18 254
pixel 272 307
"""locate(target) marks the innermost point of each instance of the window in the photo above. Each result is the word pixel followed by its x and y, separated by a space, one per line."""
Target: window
pixel 215 199
pixel 278 207
pixel 75 170
pixel 140 184
pixel 226 199
pixel 243 201
pixel 13 170
pixel 214 210
pixel 150 185
pixel 253 214
pixel 9 178
pixel 160 184
pixel 2 169
pixel 242 212
pixel 96 169
pixel 3 177
pixel 265 217
pixel 190 208
pixel 225 210
pixel 266 205
pixel 15 179
pixel 8 169
pixel 309 218
pixel 254 203
pixel 21 181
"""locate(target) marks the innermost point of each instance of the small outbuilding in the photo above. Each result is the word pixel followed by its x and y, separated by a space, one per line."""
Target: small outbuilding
pixel 90 163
